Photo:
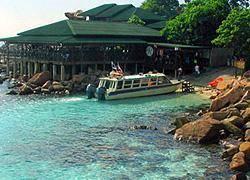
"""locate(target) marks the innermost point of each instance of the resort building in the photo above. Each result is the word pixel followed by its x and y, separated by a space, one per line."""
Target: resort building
pixel 93 39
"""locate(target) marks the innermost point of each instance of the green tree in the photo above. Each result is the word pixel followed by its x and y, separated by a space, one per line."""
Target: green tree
pixel 198 22
pixel 234 32
pixel 239 3
pixel 135 20
pixel 166 8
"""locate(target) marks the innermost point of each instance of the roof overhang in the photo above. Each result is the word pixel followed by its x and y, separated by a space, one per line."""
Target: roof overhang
pixel 169 45
pixel 72 40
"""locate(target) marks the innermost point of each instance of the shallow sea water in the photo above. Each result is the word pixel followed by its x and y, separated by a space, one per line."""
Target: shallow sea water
pixel 75 138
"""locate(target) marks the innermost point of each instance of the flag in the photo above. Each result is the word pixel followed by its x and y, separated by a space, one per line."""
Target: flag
pixel 113 66
pixel 119 69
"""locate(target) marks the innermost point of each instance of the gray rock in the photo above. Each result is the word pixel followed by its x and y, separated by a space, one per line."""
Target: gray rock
pixel 180 121
pixel 12 92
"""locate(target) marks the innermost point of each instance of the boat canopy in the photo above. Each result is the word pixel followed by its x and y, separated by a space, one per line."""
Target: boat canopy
pixel 133 77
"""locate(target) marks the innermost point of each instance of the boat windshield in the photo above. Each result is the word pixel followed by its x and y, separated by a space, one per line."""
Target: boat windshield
pixel 163 80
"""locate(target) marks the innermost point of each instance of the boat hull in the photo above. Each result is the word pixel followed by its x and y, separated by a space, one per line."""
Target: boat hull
pixel 142 92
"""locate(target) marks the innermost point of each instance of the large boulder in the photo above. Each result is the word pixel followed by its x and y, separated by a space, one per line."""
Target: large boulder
pixel 219 115
pixel 235 120
pixel 40 78
pixel 245 148
pixel 47 85
pixel 230 97
pixel 238 162
pixel 204 131
pixel 25 90
pixel 232 129
pixel 246 114
pixel 57 86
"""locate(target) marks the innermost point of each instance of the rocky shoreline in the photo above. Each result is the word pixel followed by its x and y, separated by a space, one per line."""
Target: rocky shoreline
pixel 225 122
pixel 41 83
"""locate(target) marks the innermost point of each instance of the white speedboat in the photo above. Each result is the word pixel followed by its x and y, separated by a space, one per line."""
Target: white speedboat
pixel 122 87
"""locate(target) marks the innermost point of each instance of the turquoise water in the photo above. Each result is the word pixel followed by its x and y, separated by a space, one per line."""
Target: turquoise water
pixel 75 138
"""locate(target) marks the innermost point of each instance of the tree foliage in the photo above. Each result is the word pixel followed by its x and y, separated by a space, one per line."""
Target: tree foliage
pixel 239 3
pixel 136 20
pixel 235 32
pixel 166 8
pixel 198 22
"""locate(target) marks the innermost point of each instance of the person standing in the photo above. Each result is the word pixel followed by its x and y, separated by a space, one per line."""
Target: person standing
pixel 179 72
pixel 197 70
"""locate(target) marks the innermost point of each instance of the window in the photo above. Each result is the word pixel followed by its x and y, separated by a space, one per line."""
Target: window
pixel 101 83
pixel 127 84
pixel 163 80
pixel 136 83
pixel 144 82
pixel 107 84
pixel 152 82
pixel 119 85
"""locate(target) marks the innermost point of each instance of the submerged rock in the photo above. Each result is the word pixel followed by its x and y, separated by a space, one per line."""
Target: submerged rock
pixel 143 127
pixel 12 92
pixel 204 131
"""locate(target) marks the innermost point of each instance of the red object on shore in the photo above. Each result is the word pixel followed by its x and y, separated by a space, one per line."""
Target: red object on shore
pixel 215 82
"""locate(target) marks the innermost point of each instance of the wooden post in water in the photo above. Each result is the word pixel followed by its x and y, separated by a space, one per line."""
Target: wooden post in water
pixel 21 68
pixel 54 72
pixel 8 60
pixel 62 72
pixel 36 68
pixel 45 68
pixel 29 69
pixel 14 69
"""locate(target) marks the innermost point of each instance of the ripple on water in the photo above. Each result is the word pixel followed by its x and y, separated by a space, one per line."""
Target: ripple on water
pixel 72 137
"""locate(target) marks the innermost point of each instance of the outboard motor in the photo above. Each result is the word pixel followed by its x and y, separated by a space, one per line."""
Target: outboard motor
pixel 100 92
pixel 90 91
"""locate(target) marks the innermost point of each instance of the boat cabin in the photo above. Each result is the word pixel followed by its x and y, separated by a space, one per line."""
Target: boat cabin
pixel 133 82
